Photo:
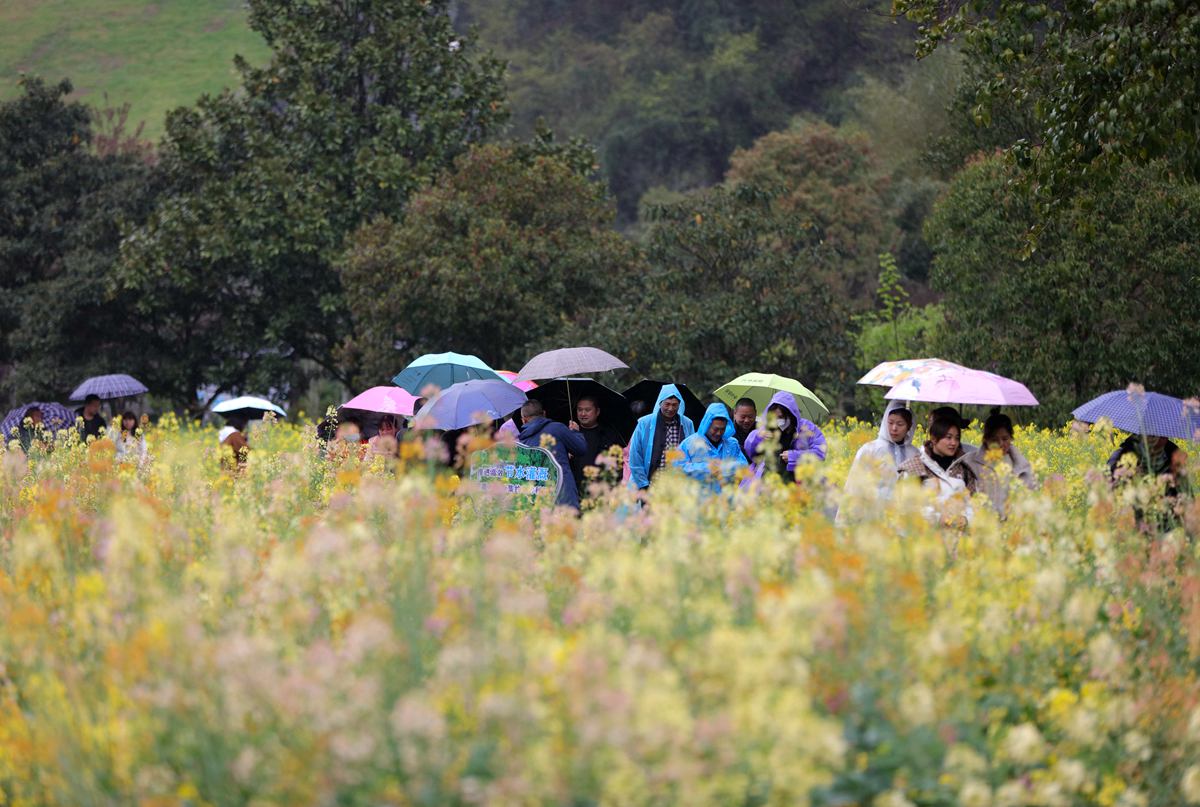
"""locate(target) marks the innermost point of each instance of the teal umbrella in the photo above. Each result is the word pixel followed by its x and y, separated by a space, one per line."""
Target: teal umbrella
pixel 443 370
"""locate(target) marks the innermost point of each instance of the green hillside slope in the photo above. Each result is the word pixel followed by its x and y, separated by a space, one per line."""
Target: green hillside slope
pixel 155 55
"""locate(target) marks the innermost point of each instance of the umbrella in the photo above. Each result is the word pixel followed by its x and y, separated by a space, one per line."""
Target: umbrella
pixel 108 387
pixel 247 407
pixel 891 373
pixel 646 392
pixel 569 361
pixel 1147 413
pixel 462 404
pixel 442 370
pixel 558 397
pixel 962 385
pixel 55 416
pixel 384 400
pixel 511 377
pixel 761 387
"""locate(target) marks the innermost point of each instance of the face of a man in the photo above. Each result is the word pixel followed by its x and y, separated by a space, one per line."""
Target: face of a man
pixel 716 430
pixel 744 417
pixel 36 418
pixel 91 408
pixel 897 428
pixel 587 414
pixel 669 407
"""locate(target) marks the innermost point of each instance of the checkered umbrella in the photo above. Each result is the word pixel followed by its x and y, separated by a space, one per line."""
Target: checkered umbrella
pixel 1148 413
pixel 55 416
pixel 108 387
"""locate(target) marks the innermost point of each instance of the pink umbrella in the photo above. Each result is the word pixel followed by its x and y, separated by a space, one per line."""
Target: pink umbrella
pixel 387 400
pixel 891 373
pixel 962 385
pixel 511 377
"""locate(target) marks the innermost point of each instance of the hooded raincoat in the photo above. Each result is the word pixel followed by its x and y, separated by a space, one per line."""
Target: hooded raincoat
pixel 807 439
pixel 712 465
pixel 645 447
pixel 565 443
pixel 872 477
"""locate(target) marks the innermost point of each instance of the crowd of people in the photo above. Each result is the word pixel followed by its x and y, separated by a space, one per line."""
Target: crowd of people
pixel 730 446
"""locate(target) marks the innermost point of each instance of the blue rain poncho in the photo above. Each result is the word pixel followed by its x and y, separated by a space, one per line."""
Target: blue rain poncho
pixel 643 461
pixel 709 464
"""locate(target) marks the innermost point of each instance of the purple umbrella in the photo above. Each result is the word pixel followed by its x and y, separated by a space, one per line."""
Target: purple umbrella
pixel 462 404
pixel 107 387
pixel 1148 413
pixel 55 417
pixel 569 361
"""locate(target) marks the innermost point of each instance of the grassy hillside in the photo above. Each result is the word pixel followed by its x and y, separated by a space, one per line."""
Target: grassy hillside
pixel 155 55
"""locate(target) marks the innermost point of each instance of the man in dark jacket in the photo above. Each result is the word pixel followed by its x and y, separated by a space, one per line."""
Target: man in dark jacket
pixel 600 438
pixel 93 425
pixel 745 421
pixel 541 432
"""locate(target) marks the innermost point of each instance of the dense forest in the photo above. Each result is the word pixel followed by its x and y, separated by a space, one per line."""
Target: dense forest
pixel 703 187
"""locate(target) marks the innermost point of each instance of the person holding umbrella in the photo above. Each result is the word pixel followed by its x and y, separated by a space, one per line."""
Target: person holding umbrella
pixel 93 425
pixel 235 448
pixel 562 443
pixel 872 476
pixel 656 435
pixel 941 466
pixel 600 437
pixel 796 437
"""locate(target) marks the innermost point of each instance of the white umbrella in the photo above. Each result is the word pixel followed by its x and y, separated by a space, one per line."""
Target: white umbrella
pixel 249 407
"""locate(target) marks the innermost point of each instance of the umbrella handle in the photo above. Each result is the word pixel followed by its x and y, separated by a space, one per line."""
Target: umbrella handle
pixel 570 406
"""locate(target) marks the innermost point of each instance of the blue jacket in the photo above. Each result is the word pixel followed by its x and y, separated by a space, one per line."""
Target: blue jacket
pixel 641 445
pixel 709 464
pixel 565 443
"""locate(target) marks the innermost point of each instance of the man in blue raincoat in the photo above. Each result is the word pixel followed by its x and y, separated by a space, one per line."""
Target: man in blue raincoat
pixel 562 445
pixel 712 455
pixel 656 435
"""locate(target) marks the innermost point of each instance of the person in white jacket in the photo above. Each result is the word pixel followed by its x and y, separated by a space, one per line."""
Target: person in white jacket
pixel 941 466
pixel 127 435
pixel 876 466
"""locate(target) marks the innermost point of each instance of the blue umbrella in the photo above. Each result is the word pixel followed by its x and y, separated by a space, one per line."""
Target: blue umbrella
pixel 442 370
pixel 462 404
pixel 55 416
pixel 1147 413
pixel 108 387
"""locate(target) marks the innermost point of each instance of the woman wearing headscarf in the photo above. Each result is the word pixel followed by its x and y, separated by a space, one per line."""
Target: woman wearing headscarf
pixel 876 466
pixel 795 437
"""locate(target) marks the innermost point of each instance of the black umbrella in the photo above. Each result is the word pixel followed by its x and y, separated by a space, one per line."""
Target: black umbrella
pixel 560 395
pixel 646 392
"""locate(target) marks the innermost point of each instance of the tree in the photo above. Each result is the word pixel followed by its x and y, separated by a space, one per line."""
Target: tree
pixel 1105 83
pixel 1098 304
pixel 731 287
pixel 492 258
pixel 830 182
pixel 362 103
pixel 63 206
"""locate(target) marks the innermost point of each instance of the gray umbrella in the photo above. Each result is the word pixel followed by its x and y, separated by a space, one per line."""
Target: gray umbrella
pixel 108 387
pixel 569 361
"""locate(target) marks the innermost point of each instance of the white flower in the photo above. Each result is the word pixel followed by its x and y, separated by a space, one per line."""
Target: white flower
pixel 1137 745
pixel 964 760
pixel 1133 798
pixel 975 793
pixel 917 705
pixel 1071 773
pixel 1193 726
pixel 1024 744
pixel 892 798
pixel 1105 655
pixel 1080 611
pixel 1190 785
pixel 1011 794
pixel 1049 586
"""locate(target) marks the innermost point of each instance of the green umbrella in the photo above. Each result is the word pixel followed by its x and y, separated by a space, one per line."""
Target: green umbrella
pixel 760 387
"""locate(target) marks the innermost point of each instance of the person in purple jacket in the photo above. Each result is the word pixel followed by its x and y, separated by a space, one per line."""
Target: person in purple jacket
pixel 795 436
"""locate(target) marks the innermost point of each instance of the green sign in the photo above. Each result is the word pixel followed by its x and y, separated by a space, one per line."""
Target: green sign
pixel 521 477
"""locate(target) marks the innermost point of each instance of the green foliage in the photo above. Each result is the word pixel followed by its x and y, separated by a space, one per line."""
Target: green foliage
pixel 831 184
pixel 669 89
pixel 1102 301
pixel 914 332
pixel 63 205
pixel 362 103
pixel 498 254
pixel 1104 83
pixel 736 283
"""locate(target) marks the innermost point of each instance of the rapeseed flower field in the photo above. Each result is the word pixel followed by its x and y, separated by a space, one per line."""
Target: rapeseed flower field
pixel 321 631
